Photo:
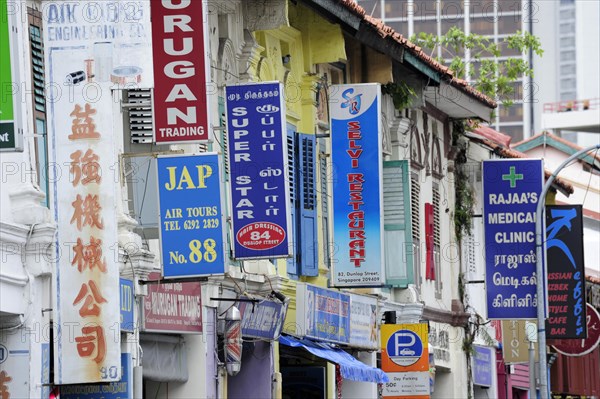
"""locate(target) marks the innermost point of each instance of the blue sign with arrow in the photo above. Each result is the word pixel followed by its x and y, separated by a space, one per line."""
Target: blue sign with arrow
pixel 511 190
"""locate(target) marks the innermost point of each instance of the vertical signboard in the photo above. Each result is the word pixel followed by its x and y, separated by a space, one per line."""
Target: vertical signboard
pixel 11 133
pixel 357 185
pixel 364 323
pixel 172 307
pixel 257 150
pixel 191 219
pixel 405 359
pixel 91 48
pixel 511 189
pixel 323 314
pixel 566 272
pixel 515 346
pixel 87 273
pixel 484 362
pixel 179 44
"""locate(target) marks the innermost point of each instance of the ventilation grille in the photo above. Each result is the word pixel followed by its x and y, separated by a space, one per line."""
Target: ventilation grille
pixel 37 64
pixel 436 216
pixel 140 116
pixel 415 191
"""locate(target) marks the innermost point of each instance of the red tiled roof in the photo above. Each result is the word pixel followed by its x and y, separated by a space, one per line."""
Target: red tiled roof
pixel 493 135
pixel 505 152
pixel 387 31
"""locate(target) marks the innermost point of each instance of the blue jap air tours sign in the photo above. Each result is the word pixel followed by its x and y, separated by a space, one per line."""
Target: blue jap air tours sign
pixel 258 168
pixel 511 190
pixel 191 221
pixel 357 185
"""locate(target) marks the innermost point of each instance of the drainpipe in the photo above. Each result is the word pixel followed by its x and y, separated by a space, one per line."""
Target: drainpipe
pixel 541 303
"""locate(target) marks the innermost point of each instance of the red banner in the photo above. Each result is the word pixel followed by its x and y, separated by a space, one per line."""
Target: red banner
pixel 178 44
pixel 173 307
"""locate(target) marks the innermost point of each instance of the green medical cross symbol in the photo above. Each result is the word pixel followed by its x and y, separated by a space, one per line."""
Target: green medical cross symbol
pixel 513 177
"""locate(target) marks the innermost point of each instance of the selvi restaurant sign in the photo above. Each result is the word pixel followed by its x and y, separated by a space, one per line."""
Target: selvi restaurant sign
pixel 357 184
pixel 511 190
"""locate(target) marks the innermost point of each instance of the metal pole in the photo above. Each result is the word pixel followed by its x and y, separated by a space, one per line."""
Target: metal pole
pixel 541 278
pixel 532 370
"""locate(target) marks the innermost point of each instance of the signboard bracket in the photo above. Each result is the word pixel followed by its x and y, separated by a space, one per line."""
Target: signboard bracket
pixel 174 280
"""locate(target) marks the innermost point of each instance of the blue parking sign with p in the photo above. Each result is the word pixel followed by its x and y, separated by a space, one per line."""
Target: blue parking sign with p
pixel 404 347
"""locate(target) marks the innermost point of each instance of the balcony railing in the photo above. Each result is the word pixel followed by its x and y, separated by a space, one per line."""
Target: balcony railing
pixel 572 105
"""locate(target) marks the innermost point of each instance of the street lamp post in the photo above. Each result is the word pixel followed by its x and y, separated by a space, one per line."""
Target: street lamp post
pixel 541 278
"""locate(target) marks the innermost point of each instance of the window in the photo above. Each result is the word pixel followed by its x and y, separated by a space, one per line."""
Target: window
pixel 452 10
pixel 394 8
pixel 39 101
pixel 324 175
pixel 567 42
pixel 437 240
pixel 302 169
pixel 567 84
pixel 425 26
pixel 41 154
pixel 484 7
pixel 424 8
pixel 509 23
pixel 415 201
pixel 567 69
pixel 568 27
pixel 567 56
pixel 483 25
pixel 514 113
pixel 372 7
pixel 398 243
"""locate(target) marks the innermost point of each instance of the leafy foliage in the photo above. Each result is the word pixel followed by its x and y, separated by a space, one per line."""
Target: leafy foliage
pixel 402 94
pixel 465 197
pixel 494 77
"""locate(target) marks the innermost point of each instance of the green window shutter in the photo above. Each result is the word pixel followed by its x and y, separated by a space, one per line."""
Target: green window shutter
pixel 397 224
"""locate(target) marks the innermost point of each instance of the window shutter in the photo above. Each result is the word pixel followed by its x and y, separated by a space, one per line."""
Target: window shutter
pixel 307 199
pixel 415 202
pixel 437 244
pixel 224 139
pixel 292 266
pixel 324 200
pixel 429 260
pixel 397 224
pixel 37 67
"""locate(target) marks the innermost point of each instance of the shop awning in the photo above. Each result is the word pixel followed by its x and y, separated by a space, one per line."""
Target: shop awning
pixel 351 368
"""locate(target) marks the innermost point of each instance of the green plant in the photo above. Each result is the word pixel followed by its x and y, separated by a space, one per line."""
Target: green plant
pixel 465 197
pixel 402 94
pixel 493 77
